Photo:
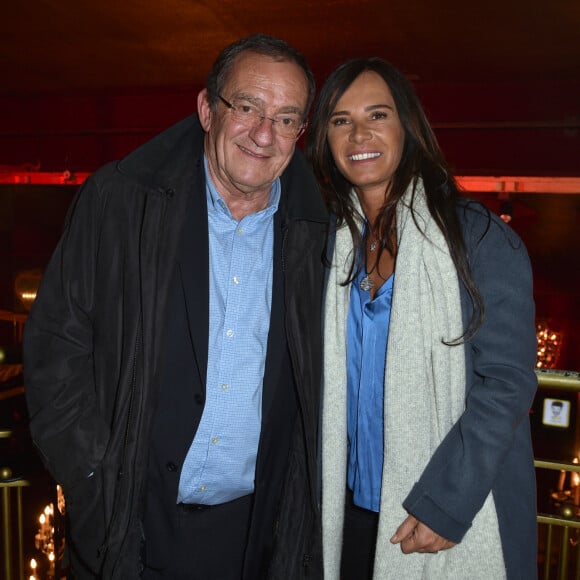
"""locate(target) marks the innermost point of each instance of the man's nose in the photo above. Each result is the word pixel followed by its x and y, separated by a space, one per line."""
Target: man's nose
pixel 263 133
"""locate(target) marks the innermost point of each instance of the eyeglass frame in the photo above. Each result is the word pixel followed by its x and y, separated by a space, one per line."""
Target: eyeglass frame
pixel 301 128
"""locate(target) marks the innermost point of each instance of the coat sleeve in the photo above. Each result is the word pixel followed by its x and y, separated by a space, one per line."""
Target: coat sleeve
pixel 58 350
pixel 500 385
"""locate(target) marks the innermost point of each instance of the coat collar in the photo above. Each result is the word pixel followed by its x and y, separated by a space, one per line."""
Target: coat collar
pixel 169 160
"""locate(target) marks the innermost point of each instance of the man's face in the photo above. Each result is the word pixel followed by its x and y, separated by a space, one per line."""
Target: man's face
pixel 244 161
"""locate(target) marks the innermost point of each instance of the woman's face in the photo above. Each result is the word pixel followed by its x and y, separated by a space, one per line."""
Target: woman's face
pixel 365 135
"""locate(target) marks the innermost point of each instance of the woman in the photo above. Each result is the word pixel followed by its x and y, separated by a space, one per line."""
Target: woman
pixel 427 465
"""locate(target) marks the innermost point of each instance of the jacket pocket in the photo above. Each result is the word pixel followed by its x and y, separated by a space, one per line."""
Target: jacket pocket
pixel 86 526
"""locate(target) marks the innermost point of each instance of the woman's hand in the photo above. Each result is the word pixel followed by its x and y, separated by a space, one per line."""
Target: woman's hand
pixel 415 536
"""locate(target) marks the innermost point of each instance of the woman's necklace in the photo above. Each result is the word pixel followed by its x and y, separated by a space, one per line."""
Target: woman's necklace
pixel 366 283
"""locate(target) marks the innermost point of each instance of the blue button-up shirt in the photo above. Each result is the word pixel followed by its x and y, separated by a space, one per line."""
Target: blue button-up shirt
pixel 221 462
pixel 367 334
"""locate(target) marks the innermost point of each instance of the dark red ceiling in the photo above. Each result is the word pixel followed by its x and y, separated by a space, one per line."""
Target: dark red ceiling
pixel 68 45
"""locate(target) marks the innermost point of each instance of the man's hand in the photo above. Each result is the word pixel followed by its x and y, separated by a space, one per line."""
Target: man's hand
pixel 415 536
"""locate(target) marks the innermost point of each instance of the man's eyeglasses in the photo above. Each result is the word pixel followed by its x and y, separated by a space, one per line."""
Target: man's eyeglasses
pixel 287 125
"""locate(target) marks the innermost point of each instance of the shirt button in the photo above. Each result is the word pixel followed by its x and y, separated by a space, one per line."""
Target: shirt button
pixel 170 466
pixel 230 333
pixel 236 280
pixel 202 488
pixel 215 440
pixel 224 387
pixel 240 231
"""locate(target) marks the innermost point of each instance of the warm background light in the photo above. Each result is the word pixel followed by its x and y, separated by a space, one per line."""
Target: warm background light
pixel 549 345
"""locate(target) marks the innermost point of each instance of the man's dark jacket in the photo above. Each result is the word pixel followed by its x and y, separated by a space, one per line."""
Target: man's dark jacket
pixel 93 342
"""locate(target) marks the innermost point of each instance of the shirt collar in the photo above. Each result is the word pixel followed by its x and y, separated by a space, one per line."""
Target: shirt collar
pixel 215 200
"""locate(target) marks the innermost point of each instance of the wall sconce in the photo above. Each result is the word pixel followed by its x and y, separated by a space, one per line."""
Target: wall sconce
pixel 26 285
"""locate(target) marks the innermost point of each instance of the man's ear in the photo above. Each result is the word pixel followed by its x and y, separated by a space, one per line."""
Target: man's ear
pixel 204 110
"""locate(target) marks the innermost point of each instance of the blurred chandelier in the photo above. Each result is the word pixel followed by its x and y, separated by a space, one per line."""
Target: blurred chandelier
pixel 549 344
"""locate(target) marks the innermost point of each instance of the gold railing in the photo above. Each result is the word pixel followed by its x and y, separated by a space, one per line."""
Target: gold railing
pixel 17 321
pixel 8 484
pixel 560 529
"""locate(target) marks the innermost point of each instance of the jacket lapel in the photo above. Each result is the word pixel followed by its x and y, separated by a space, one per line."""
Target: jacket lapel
pixel 193 265
pixel 276 333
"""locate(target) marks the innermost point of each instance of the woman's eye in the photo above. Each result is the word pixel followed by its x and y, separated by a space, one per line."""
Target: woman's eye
pixel 339 121
pixel 379 115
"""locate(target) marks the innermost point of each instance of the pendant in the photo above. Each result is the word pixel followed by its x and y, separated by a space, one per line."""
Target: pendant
pixel 373 246
pixel 366 284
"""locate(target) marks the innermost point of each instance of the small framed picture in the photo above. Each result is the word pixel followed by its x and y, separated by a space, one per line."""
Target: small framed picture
pixel 556 413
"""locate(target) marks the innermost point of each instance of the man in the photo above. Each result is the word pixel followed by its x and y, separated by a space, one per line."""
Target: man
pixel 172 357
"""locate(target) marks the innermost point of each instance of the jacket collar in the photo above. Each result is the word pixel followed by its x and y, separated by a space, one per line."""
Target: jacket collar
pixel 169 160
pixel 301 197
